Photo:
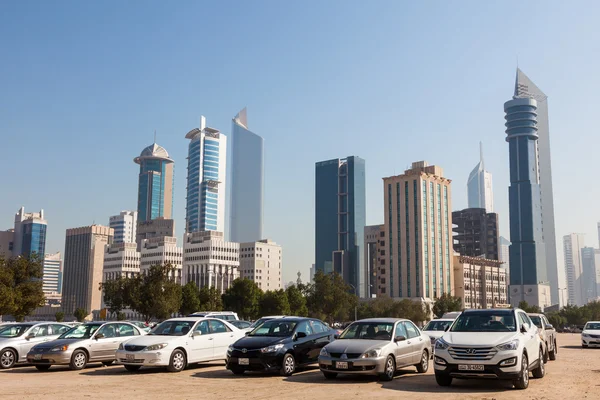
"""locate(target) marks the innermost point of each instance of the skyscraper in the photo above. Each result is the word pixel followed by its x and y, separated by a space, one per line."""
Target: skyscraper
pixel 340 219
pixel 573 244
pixel 590 263
pixel 373 234
pixel 504 254
pixel 418 230
pixel 53 271
pixel 125 226
pixel 526 89
pixel 29 233
pixel 527 251
pixel 477 233
pixel 207 161
pixel 155 185
pixel 246 182
pixel 479 186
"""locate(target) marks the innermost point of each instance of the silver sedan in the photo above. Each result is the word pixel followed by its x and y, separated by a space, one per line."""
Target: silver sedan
pixel 376 346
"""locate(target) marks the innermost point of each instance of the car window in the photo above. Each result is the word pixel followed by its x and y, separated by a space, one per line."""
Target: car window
pixel 304 327
pixel 59 329
pixel 202 327
pixel 108 330
pixel 127 330
pixel 545 320
pixel 411 330
pixel 218 327
pixel 524 319
pixel 401 330
pixel 42 330
pixel 317 327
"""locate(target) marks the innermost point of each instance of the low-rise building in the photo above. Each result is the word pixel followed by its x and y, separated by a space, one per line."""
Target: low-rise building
pixel 161 251
pixel 261 262
pixel 479 282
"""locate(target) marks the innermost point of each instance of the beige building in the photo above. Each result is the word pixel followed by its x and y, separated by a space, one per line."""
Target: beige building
pixel 261 262
pixel 161 251
pixel 121 259
pixel 374 263
pixel 159 227
pixel 6 243
pixel 209 260
pixel 418 234
pixel 479 282
pixel 83 265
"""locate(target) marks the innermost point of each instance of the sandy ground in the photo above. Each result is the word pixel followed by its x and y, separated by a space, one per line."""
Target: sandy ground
pixel 574 375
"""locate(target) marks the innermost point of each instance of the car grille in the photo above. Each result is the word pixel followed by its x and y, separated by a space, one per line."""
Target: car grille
pixel 595 336
pixel 348 355
pixel 130 347
pixel 472 353
pixel 136 361
pixel 250 353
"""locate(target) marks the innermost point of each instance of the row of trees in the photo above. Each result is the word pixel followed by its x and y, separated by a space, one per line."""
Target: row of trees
pixel 569 315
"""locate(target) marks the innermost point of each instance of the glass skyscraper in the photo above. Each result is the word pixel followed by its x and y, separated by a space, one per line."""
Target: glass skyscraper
pixel 246 178
pixel 29 233
pixel 155 185
pixel 340 217
pixel 479 186
pixel 207 161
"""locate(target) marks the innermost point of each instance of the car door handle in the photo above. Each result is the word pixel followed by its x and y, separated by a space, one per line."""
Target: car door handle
pixel 408 342
pixel 420 339
pixel 210 338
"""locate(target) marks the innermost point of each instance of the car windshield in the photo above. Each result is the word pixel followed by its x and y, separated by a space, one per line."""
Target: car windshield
pixel 592 326
pixel 80 332
pixel 274 327
pixel 259 322
pixel 173 328
pixel 485 321
pixel 368 330
pixel 536 320
pixel 437 325
pixel 12 331
pixel 240 324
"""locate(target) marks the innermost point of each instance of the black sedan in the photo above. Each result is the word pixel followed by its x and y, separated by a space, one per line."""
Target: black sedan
pixel 279 345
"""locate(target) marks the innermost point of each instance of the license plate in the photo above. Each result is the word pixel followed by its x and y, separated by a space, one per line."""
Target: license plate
pixel 37 357
pixel 244 361
pixel 341 365
pixel 130 357
pixel 470 367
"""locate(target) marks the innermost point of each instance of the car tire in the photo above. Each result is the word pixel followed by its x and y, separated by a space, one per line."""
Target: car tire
pixel 389 369
pixel 330 375
pixel 8 358
pixel 178 361
pixel 552 354
pixel 42 367
pixel 423 366
pixel 79 360
pixel 523 381
pixel 443 379
pixel 288 365
pixel 107 363
pixel 132 368
pixel 585 346
pixel 540 371
pixel 238 371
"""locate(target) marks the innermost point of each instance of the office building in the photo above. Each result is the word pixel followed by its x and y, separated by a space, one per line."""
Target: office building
pixel 261 262
pixel 340 217
pixel 162 251
pixel 418 229
pixel 209 260
pixel 381 272
pixel 155 185
pixel 29 233
pixel 121 260
pixel 124 225
pixel 480 193
pixel 246 179
pixel 477 233
pixel 503 252
pixel 52 274
pixel 373 235
pixel 159 227
pixel 207 162
pixel 526 90
pixel 590 262
pixel 83 265
pixel 7 239
pixel 572 247
pixel 480 283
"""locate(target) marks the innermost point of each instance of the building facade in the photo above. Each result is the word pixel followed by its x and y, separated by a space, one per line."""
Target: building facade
pixel 480 192
pixel 83 266
pixel 29 233
pixel 477 233
pixel 573 245
pixel 206 179
pixel 121 260
pixel 209 260
pixel 7 242
pixel 246 179
pixel 155 184
pixel 418 229
pixel 340 216
pixel 162 251
pixel 503 252
pixel 159 227
pixel 261 262
pixel 373 235
pixel 53 274
pixel 479 282
pixel 125 226
pixel 590 261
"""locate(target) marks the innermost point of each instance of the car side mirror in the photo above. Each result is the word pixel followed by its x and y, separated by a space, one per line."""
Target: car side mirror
pixel 99 336
pixel 399 338
pixel 301 335
pixel 549 326
pixel 196 333
pixel 336 336
pixel 29 337
pixel 247 333
pixel 524 328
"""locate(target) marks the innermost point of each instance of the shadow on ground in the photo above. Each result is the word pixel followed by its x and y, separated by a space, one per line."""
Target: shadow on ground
pixel 119 370
pixel 227 374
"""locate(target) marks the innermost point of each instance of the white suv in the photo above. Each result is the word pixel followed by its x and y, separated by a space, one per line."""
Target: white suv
pixel 495 343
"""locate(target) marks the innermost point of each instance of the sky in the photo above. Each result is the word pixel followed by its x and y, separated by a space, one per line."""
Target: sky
pixel 84 85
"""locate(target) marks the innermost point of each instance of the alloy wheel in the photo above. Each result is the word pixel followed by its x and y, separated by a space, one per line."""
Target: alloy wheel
pixel 79 360
pixel 424 361
pixel 525 368
pixel 289 365
pixel 8 359
pixel 178 361
pixel 389 367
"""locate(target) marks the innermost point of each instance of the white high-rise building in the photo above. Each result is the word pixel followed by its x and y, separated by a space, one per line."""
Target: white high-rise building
pixel 261 262
pixel 573 243
pixel 52 278
pixel 124 225
pixel 209 260
pixel 479 186
pixel 161 251
pixel 121 260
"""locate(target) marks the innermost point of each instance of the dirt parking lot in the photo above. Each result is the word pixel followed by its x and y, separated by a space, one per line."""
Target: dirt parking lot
pixel 574 375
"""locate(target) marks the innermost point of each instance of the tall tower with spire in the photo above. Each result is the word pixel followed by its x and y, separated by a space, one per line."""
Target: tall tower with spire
pixel 155 184
pixel 479 186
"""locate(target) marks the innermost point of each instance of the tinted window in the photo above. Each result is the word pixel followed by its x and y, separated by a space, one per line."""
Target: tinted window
pixel 369 331
pixel 401 330
pixel 304 327
pixel 437 325
pixel 80 332
pixel 485 321
pixel 108 330
pixel 411 330
pixel 537 321
pixel 274 327
pixel 59 329
pixel 42 330
pixel 202 327
pixel 173 328
pixel 218 327
pixel 592 326
pixel 15 330
pixel 127 330
pixel 318 327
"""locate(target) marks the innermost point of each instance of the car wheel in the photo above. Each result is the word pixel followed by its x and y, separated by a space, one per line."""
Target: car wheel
pixel 423 366
pixel 107 363
pixel 8 358
pixel 523 381
pixel 177 363
pixel 443 379
pixel 540 371
pixel 584 346
pixel 237 371
pixel 329 375
pixel 389 369
pixel 78 360
pixel 132 368
pixel 552 354
pixel 42 367
pixel 288 366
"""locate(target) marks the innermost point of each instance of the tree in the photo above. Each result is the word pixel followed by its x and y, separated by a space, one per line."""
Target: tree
pixel 21 286
pixel 190 299
pixel 446 303
pixel 297 301
pixel 330 297
pixel 60 316
pixel 210 299
pixel 243 297
pixel 275 302
pixel 114 294
pixel 121 316
pixel 155 295
pixel 523 305
pixel 80 314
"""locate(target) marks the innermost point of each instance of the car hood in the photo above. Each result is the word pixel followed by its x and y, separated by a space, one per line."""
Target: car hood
pixel 434 334
pixel 148 340
pixel 355 345
pixel 258 342
pixel 591 331
pixel 478 338
pixel 60 342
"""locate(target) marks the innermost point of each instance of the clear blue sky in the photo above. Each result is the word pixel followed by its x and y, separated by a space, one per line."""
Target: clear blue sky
pixel 83 86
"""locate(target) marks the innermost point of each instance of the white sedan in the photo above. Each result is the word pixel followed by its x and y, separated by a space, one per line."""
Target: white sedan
pixel 590 336
pixel 178 342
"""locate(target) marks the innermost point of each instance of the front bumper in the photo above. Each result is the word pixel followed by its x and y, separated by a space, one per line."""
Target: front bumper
pixel 49 358
pixel 160 358
pixel 257 361
pixel 358 366
pixel 590 341
pixel 444 364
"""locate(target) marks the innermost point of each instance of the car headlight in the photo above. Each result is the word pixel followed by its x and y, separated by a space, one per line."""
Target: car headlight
pixel 271 349
pixel 154 347
pixel 230 348
pixel 371 353
pixel 585 335
pixel 324 352
pixel 440 344
pixel 512 345
pixel 60 348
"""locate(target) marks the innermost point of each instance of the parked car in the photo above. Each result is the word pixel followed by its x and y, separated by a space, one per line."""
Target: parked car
pixel 142 325
pixel 492 343
pixel 376 346
pixel 178 342
pixel 224 315
pixel 436 328
pixel 90 342
pixel 590 335
pixel 244 325
pixel 17 339
pixel 279 345
pixel 547 335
